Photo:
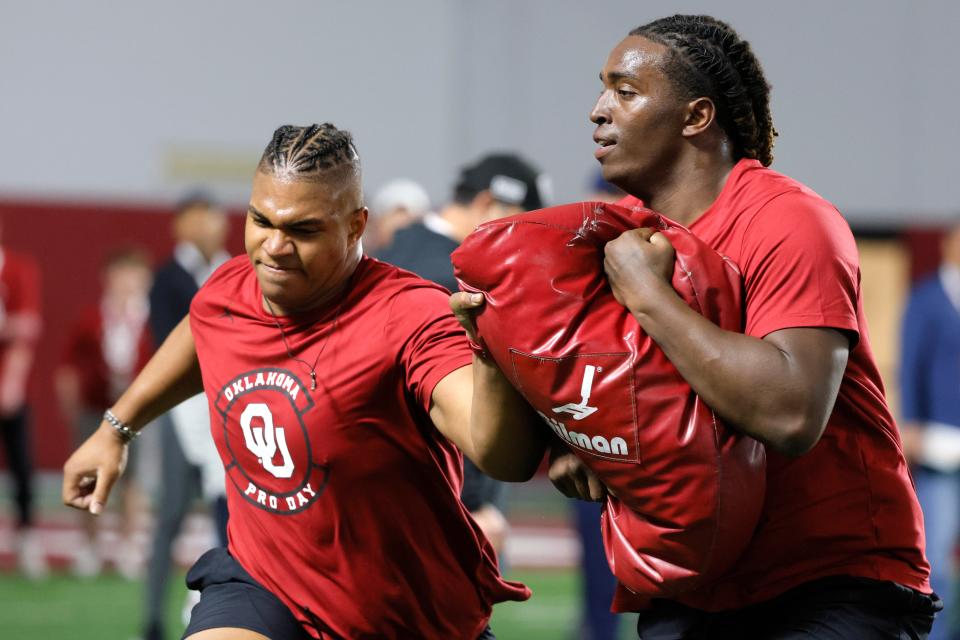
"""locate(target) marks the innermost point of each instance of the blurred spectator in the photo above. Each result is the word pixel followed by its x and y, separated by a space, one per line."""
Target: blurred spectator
pixel 597 586
pixel 19 331
pixel 498 185
pixel 190 464
pixel 397 204
pixel 930 392
pixel 108 345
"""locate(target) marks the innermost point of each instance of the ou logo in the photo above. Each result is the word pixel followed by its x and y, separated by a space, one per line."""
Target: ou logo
pixel 264 441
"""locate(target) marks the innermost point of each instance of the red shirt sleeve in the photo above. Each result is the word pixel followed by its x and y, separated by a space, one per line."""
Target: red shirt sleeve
pixel 23 279
pixel 83 340
pixel 432 343
pixel 800 267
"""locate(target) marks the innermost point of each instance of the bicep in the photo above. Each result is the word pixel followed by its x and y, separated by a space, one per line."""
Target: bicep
pixel 450 407
pixel 816 357
pixel 175 366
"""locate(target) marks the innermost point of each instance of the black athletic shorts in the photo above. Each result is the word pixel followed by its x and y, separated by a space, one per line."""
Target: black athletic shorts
pixel 836 608
pixel 230 597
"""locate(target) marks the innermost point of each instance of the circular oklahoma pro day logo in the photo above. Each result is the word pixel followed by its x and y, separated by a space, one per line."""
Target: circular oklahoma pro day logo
pixel 271 457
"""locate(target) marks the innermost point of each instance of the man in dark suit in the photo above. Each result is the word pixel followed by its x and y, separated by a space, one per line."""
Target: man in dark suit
pixel 190 464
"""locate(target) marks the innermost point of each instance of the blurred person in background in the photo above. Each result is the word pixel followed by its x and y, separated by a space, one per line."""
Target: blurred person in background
pixel 496 186
pixel 190 466
pixel 930 407
pixel 397 205
pixel 19 332
pixel 108 344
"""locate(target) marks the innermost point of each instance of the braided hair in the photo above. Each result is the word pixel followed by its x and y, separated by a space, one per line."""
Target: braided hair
pixel 309 152
pixel 708 58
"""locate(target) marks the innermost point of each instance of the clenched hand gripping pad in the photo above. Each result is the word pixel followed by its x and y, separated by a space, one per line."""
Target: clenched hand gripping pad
pixel 688 489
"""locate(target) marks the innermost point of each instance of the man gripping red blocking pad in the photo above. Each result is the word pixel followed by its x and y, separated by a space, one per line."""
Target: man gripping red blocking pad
pixel 686 490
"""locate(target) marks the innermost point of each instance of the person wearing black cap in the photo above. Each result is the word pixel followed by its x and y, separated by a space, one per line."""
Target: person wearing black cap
pixel 496 186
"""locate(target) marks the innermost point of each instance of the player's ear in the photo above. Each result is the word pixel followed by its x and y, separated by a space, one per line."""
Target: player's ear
pixel 700 114
pixel 357 224
pixel 480 206
pixel 482 201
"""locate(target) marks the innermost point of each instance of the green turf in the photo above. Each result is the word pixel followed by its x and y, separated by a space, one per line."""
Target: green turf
pixel 550 613
pixel 109 608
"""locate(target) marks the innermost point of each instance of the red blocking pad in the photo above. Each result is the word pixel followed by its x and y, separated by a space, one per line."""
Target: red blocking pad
pixel 688 489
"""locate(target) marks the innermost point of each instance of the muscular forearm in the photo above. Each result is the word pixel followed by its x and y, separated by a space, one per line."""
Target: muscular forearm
pixel 508 439
pixel 754 384
pixel 171 376
pixel 505 438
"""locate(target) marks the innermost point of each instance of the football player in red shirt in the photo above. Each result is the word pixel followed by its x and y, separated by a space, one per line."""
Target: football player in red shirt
pixel 338 387
pixel 683 125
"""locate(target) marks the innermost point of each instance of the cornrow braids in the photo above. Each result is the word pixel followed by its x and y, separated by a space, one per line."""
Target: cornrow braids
pixel 708 58
pixel 309 152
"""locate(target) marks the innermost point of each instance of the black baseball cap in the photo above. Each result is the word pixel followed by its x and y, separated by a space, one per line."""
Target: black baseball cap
pixel 509 178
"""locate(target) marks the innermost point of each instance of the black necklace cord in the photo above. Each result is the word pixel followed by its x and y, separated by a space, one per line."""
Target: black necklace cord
pixel 283 337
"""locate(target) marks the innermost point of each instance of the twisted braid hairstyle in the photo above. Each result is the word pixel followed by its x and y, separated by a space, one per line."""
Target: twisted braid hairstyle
pixel 708 58
pixel 309 153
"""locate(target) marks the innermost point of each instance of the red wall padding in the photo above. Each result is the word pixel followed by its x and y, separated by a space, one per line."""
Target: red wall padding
pixel 924 247
pixel 70 241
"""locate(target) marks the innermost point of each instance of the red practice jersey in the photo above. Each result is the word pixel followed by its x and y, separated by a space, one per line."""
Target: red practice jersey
pixel 19 284
pixel 99 383
pixel 19 291
pixel 847 507
pixel 344 501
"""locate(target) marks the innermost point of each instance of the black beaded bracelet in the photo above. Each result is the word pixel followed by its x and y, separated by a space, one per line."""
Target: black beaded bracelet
pixel 127 433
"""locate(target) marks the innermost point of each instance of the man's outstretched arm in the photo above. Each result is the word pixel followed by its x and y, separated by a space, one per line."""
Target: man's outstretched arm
pixel 489 421
pixel 171 376
pixel 485 416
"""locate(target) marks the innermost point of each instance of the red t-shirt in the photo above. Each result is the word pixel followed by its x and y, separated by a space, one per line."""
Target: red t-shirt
pixel 848 507
pixel 19 284
pixel 19 291
pixel 344 501
pixel 99 384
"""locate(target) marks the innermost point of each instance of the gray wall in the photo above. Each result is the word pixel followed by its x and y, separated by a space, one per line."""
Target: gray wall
pixel 112 98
